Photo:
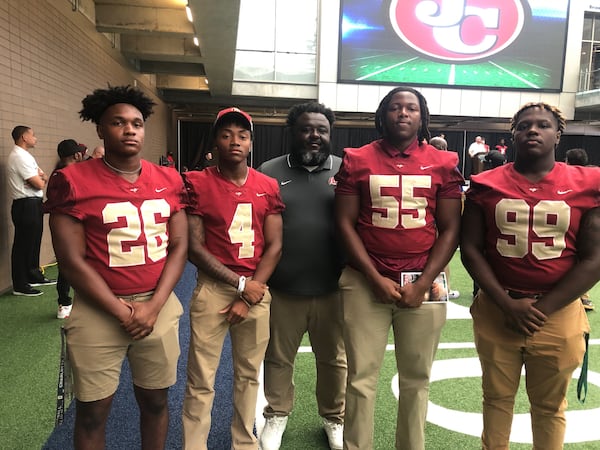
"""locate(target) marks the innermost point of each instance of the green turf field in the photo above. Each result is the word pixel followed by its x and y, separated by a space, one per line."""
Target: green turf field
pixel 461 394
pixel 29 349
pixel 368 65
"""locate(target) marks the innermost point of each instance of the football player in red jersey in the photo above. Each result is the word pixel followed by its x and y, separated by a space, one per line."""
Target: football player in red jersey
pixel 119 231
pixel 398 203
pixel 531 240
pixel 235 241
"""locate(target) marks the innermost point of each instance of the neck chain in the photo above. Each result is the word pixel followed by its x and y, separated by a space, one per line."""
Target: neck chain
pixel 124 172
pixel 232 180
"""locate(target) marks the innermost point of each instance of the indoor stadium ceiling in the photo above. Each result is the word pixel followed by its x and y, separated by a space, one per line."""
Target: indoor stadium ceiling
pixel 157 38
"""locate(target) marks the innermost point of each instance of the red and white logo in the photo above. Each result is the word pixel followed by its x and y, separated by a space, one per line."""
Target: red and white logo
pixel 457 30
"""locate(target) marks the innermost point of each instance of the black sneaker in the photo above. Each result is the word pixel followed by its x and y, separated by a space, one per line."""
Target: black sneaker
pixel 43 282
pixel 27 292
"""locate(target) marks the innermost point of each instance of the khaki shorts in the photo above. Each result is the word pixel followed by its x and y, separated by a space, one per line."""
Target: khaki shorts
pixel 97 346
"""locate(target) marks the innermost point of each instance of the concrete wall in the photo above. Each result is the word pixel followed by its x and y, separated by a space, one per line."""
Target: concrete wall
pixel 50 58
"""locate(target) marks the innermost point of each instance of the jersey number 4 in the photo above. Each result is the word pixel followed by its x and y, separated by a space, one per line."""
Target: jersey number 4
pixel 241 231
pixel 549 221
pixel 140 225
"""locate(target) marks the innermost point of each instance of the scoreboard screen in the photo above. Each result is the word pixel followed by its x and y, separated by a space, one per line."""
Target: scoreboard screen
pixel 508 44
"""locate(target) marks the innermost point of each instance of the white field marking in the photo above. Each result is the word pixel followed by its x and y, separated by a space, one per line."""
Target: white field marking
pixel 470 423
pixel 385 69
pixel 578 429
pixel 514 75
pixel 452 74
pixel 456 311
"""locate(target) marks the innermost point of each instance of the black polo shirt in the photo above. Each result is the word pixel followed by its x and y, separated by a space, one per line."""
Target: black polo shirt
pixel 311 261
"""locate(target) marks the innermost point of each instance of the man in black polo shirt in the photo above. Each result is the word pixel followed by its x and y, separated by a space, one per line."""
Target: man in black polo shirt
pixel 304 285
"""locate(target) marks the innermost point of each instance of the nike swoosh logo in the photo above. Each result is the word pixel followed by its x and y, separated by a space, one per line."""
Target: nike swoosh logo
pixel 157 190
pixel 426 167
pixel 261 195
pixel 564 192
pixel 283 183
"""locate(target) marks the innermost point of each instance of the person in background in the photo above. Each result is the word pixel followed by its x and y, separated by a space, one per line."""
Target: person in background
pixel 26 182
pixel 501 147
pixel 69 153
pixel 494 159
pixel 98 152
pixel 304 286
pixel 83 150
pixel 397 208
pixel 579 157
pixel 440 143
pixel 530 237
pixel 170 159
pixel 477 147
pixel 120 232
pixel 477 151
pixel 235 242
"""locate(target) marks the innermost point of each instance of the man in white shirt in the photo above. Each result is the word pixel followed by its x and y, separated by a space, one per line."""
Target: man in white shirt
pixel 26 182
pixel 477 147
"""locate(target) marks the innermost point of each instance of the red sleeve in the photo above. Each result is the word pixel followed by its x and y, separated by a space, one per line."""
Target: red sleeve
pixel 60 196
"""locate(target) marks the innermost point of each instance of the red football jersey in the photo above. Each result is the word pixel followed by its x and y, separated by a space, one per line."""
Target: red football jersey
pixel 233 216
pixel 126 224
pixel 531 228
pixel 398 197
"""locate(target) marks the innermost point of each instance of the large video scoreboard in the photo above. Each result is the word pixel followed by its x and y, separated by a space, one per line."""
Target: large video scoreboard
pixel 508 44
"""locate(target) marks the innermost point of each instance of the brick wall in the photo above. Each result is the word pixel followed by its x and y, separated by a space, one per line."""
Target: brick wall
pixel 50 58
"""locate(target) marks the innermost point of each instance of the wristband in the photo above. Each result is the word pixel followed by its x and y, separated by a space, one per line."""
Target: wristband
pixel 241 285
pixel 248 304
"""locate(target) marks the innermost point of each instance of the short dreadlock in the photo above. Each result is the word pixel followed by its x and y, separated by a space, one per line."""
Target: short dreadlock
pixel 558 115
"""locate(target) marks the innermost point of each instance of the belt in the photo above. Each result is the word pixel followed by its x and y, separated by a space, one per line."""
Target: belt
pixel 27 198
pixel 142 296
pixel 518 295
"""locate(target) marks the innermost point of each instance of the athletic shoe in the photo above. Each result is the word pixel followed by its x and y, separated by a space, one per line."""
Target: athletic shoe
pixel 335 434
pixel 453 294
pixel 64 311
pixel 587 304
pixel 270 438
pixel 43 282
pixel 27 292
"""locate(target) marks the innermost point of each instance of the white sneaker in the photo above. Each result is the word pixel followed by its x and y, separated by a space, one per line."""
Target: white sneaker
pixel 270 438
pixel 335 434
pixel 64 311
pixel 453 294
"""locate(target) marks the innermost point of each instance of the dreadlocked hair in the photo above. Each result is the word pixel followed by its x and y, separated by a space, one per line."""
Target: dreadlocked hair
pixel 96 103
pixel 423 133
pixel 309 107
pixel 558 115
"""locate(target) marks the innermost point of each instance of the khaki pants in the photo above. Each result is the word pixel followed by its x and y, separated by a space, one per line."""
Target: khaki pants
pixel 291 317
pixel 249 341
pixel 98 344
pixel 550 356
pixel 366 328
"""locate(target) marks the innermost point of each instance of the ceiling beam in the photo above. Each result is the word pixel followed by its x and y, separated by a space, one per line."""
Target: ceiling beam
pixel 134 19
pixel 160 48
pixel 216 26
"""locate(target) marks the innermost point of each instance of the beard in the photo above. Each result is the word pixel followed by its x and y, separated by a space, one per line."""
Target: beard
pixel 311 158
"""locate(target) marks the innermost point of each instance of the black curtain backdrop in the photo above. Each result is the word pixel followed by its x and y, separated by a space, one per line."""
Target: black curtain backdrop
pixel 273 140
